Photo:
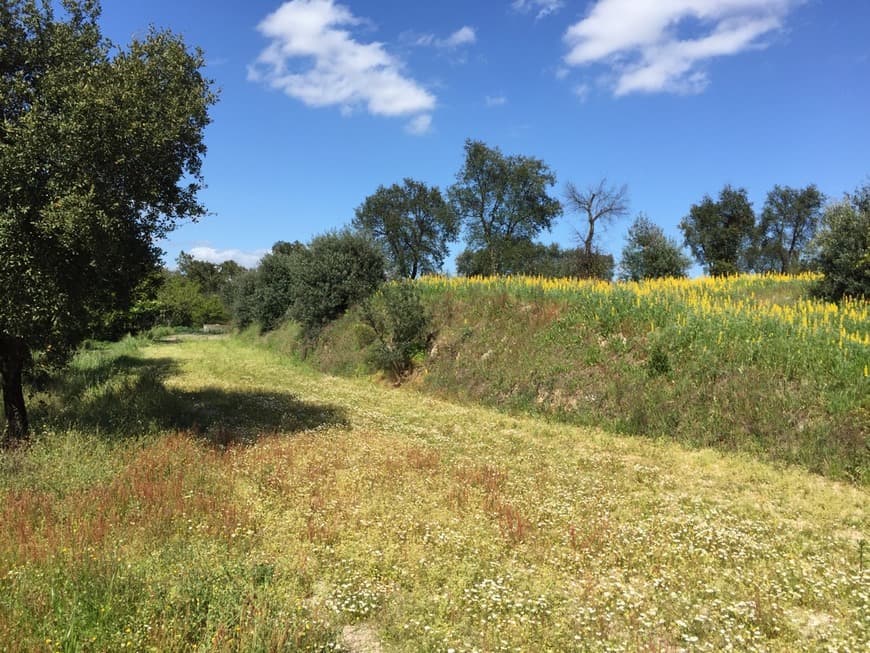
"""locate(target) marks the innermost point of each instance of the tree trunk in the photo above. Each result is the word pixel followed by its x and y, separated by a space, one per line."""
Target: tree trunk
pixel 13 354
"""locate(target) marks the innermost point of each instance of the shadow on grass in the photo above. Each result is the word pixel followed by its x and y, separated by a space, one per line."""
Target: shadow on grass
pixel 126 396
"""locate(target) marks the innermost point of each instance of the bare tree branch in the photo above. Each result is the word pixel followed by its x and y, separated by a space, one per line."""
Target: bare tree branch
pixel 600 204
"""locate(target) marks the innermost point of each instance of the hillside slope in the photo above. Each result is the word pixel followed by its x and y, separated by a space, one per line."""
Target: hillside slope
pixel 743 364
pixel 335 510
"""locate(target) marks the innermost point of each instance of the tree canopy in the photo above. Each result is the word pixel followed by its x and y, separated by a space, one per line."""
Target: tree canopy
pixel 843 247
pixel 412 223
pixel 720 233
pixel 502 200
pixel 788 223
pixel 100 155
pixel 649 254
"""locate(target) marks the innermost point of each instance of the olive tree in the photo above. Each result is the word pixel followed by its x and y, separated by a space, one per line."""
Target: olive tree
pixel 100 155
pixel 502 200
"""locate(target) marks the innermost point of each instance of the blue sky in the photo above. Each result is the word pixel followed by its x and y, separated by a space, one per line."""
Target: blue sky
pixel 322 101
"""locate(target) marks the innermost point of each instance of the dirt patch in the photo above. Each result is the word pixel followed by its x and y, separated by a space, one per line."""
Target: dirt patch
pixel 360 639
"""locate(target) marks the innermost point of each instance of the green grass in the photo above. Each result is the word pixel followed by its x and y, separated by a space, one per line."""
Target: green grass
pixel 240 501
pixel 744 364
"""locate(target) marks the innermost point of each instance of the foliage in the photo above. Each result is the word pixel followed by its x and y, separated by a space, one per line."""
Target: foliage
pixel 276 287
pixel 843 248
pixel 502 200
pixel 720 233
pixel 95 164
pixel 525 257
pixel 649 254
pixel 599 204
pixel 400 326
pixel 242 297
pixel 180 301
pixel 412 223
pixel 787 225
pixel 336 271
pixel 212 278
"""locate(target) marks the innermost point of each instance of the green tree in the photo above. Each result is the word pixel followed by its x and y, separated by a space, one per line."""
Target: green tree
pixel 842 247
pixel 502 200
pixel 100 154
pixel 211 277
pixel 336 271
pixel 412 223
pixel 649 254
pixel 787 225
pixel 720 233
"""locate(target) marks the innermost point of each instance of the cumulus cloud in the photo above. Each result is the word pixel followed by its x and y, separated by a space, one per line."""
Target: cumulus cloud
pixel 542 7
pixel 641 39
pixel 495 100
pixel 212 255
pixel 314 58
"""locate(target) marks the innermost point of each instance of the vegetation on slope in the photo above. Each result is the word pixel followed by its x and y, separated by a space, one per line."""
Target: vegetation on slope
pixel 741 363
pixel 297 512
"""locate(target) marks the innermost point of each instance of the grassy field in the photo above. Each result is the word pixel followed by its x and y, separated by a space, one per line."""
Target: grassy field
pixel 748 364
pixel 209 494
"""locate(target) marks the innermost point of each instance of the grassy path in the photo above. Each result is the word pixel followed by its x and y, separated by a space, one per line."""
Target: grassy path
pixel 336 502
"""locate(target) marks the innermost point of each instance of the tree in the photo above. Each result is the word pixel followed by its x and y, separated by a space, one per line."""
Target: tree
pixel 412 223
pixel 649 254
pixel 336 271
pixel 211 277
pixel 599 204
pixel 536 259
pixel 843 247
pixel 788 223
pixel 100 155
pixel 502 200
pixel 720 233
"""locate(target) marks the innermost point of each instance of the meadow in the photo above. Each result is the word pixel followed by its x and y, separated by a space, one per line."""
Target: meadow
pixel 213 494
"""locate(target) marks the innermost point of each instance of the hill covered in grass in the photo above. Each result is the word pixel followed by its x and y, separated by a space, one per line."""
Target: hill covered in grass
pixel 748 364
pixel 239 501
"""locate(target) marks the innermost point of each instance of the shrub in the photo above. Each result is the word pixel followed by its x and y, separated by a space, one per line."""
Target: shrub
pixel 400 327
pixel 843 248
pixel 336 271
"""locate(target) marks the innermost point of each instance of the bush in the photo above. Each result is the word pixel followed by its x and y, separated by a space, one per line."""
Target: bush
pixel 400 327
pixel 336 271
pixel 843 248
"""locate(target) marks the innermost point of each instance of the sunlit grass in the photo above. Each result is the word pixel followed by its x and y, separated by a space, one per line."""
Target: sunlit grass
pixel 437 526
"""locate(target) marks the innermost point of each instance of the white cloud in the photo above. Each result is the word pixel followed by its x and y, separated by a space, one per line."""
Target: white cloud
pixel 495 100
pixel 543 7
pixel 212 255
pixel 463 36
pixel 343 72
pixel 640 39
pixel 419 125
pixel 582 92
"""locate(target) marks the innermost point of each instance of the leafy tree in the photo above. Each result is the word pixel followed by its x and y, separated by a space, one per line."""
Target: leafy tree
pixel 336 271
pixel 599 204
pixel 843 247
pixel 180 301
pixel 413 223
pixel 720 233
pixel 787 225
pixel 277 284
pixel 649 254
pixel 502 200
pixel 536 259
pixel 211 277
pixel 100 154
